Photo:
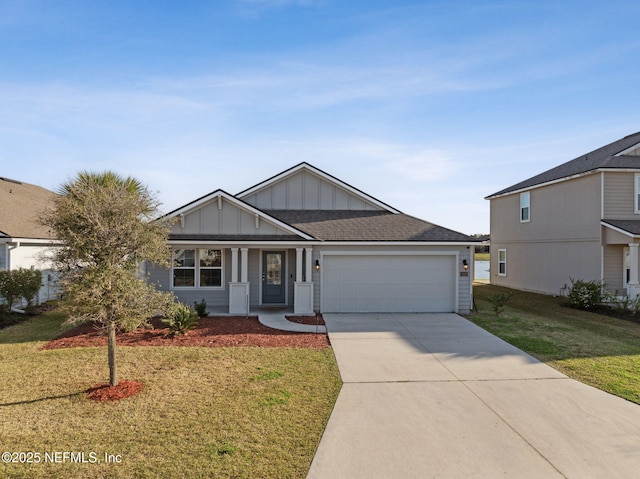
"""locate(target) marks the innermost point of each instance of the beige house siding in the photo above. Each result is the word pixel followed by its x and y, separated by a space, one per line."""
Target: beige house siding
pixel 613 268
pixel 306 191
pixel 561 240
pixel 619 196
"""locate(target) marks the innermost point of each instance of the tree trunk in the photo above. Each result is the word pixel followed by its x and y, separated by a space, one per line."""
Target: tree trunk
pixel 111 346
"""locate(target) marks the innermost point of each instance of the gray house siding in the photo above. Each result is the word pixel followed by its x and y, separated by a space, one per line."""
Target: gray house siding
pixel 3 256
pixel 619 196
pixel 306 191
pixel 562 240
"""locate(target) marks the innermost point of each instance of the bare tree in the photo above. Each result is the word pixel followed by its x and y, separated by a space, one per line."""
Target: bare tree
pixel 105 224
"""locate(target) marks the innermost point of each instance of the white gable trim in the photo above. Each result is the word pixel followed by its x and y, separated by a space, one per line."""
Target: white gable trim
pixel 312 169
pixel 219 195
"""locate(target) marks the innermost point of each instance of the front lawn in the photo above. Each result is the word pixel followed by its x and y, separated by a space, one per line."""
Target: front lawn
pixel 204 412
pixel 593 348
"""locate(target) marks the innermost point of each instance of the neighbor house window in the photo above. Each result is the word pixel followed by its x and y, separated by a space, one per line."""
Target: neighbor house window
pixel 525 207
pixel 197 268
pixel 637 195
pixel 502 262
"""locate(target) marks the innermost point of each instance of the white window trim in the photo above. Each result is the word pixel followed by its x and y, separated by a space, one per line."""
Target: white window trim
pixel 196 273
pixel 527 195
pixel 505 262
pixel 636 193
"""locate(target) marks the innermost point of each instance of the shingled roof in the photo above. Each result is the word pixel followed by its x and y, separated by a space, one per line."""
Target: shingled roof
pixel 346 225
pixel 604 157
pixel 20 206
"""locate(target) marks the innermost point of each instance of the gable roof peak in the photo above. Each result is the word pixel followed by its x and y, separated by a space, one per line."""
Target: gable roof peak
pixel 320 173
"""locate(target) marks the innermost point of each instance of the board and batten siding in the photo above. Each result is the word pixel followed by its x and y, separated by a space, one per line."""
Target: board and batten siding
pixel 306 191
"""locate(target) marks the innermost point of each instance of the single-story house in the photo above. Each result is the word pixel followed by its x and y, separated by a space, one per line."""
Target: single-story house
pixel 23 241
pixel 306 240
pixel 579 220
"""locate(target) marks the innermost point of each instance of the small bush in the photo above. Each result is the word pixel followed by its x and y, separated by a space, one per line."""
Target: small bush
pixel 498 301
pixel 182 319
pixel 585 294
pixel 19 284
pixel 201 308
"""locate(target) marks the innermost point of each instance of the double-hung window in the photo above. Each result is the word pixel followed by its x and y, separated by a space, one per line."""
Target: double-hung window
pixel 502 262
pixel 197 268
pixel 525 207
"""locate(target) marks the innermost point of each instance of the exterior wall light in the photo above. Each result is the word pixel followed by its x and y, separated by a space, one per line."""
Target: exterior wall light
pixel 465 265
pixel 317 265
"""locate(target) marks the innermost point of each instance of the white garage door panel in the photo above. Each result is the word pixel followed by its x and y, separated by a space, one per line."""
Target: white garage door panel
pixel 388 283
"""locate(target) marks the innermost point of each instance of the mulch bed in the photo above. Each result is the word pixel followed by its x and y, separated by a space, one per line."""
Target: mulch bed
pixel 210 332
pixel 105 392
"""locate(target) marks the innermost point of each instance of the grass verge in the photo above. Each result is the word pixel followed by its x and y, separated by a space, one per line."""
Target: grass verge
pixel 204 412
pixel 593 348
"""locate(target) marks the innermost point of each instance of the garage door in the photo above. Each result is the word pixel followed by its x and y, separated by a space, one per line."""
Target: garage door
pixel 388 283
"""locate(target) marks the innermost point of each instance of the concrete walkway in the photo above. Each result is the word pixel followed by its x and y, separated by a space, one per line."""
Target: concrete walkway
pixel 276 320
pixel 434 396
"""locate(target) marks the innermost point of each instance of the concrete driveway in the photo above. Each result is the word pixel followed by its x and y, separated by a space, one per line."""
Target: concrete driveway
pixel 434 396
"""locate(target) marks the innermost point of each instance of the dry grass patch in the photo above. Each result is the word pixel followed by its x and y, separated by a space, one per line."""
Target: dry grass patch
pixel 203 412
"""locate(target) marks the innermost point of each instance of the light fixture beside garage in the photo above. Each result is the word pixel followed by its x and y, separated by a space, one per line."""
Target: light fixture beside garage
pixel 465 264
pixel 317 265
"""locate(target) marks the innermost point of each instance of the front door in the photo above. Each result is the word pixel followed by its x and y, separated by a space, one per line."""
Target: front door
pixel 273 277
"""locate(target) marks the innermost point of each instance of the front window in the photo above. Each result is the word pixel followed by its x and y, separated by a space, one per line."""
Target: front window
pixel 525 207
pixel 502 262
pixel 197 268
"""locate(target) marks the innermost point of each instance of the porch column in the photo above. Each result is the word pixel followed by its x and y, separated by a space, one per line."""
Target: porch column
pixel 633 288
pixel 234 265
pixel 299 265
pixel 308 252
pixel 245 265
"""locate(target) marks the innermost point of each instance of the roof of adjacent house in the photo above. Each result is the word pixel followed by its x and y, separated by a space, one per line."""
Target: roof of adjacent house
pixel 607 156
pixel 21 204
pixel 365 225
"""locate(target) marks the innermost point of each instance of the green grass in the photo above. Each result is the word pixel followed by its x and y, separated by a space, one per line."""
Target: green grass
pixel 204 412
pixel 482 256
pixel 593 348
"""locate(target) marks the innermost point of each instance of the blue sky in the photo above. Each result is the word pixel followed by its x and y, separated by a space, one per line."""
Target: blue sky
pixel 428 106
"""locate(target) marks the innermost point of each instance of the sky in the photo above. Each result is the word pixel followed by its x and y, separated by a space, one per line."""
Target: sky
pixel 428 106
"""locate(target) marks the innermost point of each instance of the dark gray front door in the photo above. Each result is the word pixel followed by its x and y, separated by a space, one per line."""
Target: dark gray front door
pixel 273 277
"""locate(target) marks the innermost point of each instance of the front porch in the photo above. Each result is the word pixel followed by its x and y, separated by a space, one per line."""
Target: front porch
pixel 274 280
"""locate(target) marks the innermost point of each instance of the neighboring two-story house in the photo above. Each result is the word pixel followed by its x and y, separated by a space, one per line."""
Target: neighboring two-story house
pixel 579 220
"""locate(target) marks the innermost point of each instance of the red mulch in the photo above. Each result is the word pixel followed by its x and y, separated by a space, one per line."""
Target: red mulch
pixel 104 392
pixel 210 332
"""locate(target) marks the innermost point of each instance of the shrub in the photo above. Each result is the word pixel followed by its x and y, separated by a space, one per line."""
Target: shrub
pixel 585 294
pixel 201 308
pixel 498 301
pixel 19 284
pixel 182 319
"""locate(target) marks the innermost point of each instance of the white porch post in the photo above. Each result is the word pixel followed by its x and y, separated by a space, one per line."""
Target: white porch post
pixel 234 265
pixel 308 269
pixel 633 288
